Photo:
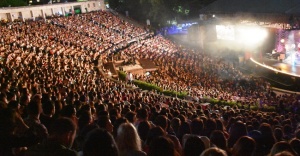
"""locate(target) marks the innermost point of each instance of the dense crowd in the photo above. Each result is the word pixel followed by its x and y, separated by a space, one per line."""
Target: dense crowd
pixel 55 99
pixel 202 76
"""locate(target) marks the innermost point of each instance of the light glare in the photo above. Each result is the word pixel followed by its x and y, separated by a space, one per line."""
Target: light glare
pixel 251 35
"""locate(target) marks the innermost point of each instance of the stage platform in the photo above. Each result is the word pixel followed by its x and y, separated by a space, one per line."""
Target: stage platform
pixel 278 66
pixel 279 74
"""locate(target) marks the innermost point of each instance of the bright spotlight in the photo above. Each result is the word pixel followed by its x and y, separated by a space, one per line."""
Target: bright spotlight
pixel 214 15
pixel 252 35
pixel 286 47
pixel 282 40
pixel 293 46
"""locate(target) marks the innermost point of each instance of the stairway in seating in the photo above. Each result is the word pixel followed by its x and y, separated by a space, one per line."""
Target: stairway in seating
pixel 110 66
pixel 147 64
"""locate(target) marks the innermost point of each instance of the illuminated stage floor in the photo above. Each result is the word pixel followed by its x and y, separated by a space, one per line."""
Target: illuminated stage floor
pixel 277 66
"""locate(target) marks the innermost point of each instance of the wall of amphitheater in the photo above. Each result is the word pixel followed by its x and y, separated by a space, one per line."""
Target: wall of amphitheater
pixel 32 12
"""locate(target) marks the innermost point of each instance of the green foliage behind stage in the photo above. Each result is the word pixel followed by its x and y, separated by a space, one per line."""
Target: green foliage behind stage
pixel 12 3
pixel 160 11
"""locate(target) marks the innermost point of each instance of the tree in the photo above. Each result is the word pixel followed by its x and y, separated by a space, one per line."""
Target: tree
pixel 196 6
pixel 114 4
pixel 160 11
pixel 12 3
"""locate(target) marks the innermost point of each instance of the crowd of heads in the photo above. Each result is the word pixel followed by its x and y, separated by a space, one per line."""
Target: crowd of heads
pixel 55 99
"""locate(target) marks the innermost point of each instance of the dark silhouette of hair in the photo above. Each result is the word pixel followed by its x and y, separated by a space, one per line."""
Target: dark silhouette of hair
pixel 197 126
pixel 34 107
pixel 245 146
pixel 86 129
pixel 154 133
pixel 213 151
pixel 100 142
pixel 143 129
pixel 175 124
pixel 7 121
pixel 81 135
pixel 219 125
pixel 84 108
pixel 142 114
pixel 23 99
pixel 210 126
pixel 237 130
pixel 268 139
pixel 48 107
pixel 102 121
pixel 102 113
pixel 287 132
pixel 182 118
pixel 218 139
pixel 255 124
pixel 117 123
pixel 68 111
pixel 280 147
pixel 183 129
pixel 130 116
pixel 278 134
pixel 13 104
pixel 114 112
pixel 84 119
pixel 162 121
pixel 193 146
pixel 62 126
pixel 297 134
pixel 295 143
pixel 3 96
pixel 284 153
pixel 257 136
pixel 132 108
pixel 161 146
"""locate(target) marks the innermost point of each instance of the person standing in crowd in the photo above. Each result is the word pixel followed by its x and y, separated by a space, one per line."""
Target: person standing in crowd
pixel 59 142
pixel 129 77
pixel 11 143
pixel 33 119
pixel 128 141
pixel 100 142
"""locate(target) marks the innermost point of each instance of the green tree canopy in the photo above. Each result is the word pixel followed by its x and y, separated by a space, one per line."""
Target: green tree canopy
pixel 12 3
pixel 160 11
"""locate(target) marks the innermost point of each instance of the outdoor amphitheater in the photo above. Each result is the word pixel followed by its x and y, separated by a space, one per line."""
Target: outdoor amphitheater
pixel 98 83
